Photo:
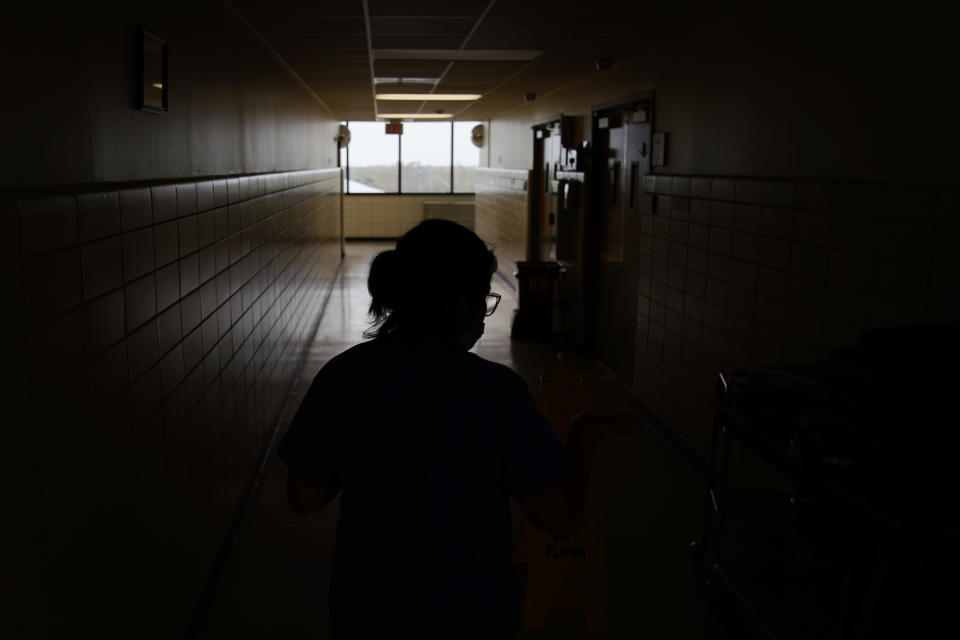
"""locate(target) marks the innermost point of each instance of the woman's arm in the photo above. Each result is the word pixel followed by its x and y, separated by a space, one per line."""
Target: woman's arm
pixel 555 509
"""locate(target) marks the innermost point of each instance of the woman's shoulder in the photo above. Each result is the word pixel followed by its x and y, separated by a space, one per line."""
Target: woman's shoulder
pixel 381 354
pixel 357 355
pixel 494 371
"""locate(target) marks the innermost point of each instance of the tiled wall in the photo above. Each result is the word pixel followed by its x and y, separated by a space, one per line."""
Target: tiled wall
pixel 387 216
pixel 736 271
pixel 150 335
pixel 502 215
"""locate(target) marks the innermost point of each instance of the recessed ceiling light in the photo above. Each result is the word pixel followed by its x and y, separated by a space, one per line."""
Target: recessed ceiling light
pixel 406 80
pixel 429 96
pixel 413 116
pixel 503 55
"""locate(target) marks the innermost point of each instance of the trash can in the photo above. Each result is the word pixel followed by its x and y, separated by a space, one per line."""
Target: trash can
pixel 565 321
pixel 533 320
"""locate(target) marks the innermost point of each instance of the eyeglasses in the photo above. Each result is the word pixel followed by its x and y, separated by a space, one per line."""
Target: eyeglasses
pixel 493 299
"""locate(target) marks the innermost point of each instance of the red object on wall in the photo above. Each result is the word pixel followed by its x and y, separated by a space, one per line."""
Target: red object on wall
pixel 395 127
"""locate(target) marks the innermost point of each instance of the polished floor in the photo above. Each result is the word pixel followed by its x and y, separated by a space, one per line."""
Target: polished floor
pixel 276 578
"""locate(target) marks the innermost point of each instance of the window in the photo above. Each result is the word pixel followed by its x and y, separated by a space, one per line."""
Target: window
pixel 466 156
pixel 371 159
pixel 425 157
pixel 430 157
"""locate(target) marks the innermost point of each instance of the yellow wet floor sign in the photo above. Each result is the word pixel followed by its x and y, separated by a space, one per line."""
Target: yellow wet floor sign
pixel 566 577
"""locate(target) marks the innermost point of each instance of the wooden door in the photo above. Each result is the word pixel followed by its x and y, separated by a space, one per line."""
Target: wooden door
pixel 622 158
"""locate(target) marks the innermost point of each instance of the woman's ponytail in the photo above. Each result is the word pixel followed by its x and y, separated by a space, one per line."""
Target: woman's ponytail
pixel 384 283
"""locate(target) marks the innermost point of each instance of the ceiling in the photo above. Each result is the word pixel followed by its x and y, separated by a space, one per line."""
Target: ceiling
pixel 338 47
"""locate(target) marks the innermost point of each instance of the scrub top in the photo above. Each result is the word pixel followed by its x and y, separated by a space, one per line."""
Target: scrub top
pixel 427 444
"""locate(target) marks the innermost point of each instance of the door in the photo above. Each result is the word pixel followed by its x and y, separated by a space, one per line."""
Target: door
pixel 621 135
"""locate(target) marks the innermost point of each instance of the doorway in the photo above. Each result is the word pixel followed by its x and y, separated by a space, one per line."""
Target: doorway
pixel 622 141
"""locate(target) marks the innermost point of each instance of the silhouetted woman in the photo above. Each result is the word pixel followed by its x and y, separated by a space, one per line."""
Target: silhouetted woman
pixel 428 442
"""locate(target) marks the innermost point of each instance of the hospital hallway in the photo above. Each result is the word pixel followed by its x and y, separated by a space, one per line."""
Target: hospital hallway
pixel 275 580
pixel 729 229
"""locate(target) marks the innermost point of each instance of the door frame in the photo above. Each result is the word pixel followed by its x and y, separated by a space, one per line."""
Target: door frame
pixel 595 176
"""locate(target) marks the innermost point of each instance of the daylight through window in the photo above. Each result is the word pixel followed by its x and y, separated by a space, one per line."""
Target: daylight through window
pixel 430 157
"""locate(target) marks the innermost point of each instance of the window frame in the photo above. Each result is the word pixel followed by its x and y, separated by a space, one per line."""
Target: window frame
pixel 400 191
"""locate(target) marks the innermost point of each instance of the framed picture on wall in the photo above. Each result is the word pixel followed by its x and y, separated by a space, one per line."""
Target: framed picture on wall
pixel 151 84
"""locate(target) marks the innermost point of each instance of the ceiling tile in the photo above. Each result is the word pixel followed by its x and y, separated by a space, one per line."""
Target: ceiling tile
pixel 409 68
pixel 325 42
pixel 483 75
pixel 421 26
pixel 299 9
pixel 416 42
pixel 427 7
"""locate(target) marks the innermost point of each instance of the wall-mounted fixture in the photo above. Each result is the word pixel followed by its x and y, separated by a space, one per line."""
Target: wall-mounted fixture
pixel 152 88
pixel 478 136
pixel 603 64
pixel 343 136
pixel 529 96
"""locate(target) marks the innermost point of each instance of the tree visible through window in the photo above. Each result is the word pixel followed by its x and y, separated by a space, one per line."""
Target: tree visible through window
pixel 430 157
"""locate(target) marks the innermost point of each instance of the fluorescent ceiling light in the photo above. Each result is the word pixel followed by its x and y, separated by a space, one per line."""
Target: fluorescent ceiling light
pixel 429 96
pixel 493 55
pixel 414 116
pixel 406 80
